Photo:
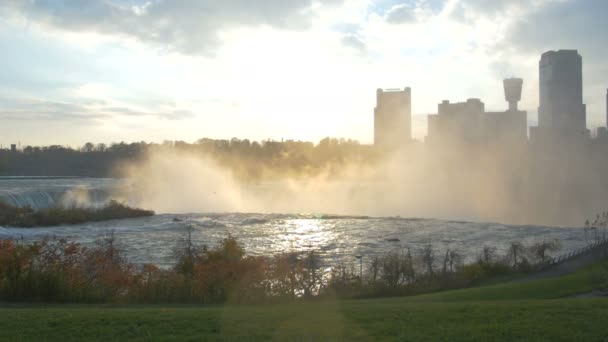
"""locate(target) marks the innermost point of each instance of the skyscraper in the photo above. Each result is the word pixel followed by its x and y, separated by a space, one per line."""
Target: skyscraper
pixel 561 112
pixel 456 122
pixel 392 117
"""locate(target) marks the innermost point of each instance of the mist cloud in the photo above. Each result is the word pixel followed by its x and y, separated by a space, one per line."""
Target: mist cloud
pixel 490 183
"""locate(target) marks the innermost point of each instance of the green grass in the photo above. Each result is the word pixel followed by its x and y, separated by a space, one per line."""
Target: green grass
pixel 399 320
pixel 535 311
pixel 548 288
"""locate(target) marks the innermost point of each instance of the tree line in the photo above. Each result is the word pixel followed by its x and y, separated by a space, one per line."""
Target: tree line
pixel 248 159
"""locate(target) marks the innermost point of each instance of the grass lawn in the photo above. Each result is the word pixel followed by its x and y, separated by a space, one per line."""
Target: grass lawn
pixel 547 288
pixel 516 311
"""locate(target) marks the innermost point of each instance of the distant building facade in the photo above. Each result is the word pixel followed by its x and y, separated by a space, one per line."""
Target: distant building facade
pixel 456 122
pixel 562 113
pixel 602 132
pixel 510 126
pixel 392 118
pixel 469 123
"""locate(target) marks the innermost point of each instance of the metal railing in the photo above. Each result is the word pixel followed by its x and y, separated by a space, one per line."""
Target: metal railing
pixel 597 246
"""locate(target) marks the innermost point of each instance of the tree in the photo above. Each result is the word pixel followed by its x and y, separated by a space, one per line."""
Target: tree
pixel 311 275
pixel 541 249
pixel 187 254
pixel 88 147
pixel 516 253
pixel 409 272
pixel 391 269
pixel 487 255
pixel 101 147
pixel 428 259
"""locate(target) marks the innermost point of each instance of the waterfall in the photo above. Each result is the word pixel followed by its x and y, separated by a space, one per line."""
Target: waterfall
pixel 40 199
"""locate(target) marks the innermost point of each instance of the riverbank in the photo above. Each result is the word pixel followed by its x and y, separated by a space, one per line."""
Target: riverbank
pixel 26 217
pixel 536 310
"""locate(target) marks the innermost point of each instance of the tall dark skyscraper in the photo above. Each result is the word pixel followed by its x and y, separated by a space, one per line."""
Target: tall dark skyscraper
pixel 561 111
pixel 392 117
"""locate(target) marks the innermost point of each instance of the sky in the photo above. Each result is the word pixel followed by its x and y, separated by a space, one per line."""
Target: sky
pixel 151 70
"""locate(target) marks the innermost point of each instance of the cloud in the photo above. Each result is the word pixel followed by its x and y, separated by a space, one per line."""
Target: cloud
pixel 187 26
pixel 400 14
pixel 472 8
pixel 565 25
pixel 498 11
pixel 89 111
pixel 48 111
pixel 494 6
pixel 354 41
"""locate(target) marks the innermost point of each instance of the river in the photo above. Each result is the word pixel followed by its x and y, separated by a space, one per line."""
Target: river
pixel 337 239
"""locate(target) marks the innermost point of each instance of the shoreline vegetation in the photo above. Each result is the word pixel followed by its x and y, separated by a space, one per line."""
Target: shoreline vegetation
pixel 62 271
pixel 27 217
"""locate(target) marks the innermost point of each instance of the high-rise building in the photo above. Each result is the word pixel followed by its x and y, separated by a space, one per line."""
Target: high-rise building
pixel 392 117
pixel 602 131
pixel 468 122
pixel 456 122
pixel 562 112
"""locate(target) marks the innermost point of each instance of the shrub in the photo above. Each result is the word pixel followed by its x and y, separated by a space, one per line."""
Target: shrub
pixel 26 217
pixel 59 270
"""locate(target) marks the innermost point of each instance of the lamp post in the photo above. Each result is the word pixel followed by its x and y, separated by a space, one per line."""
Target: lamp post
pixel 360 257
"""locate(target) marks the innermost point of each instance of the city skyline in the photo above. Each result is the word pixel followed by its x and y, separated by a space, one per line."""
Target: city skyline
pixel 91 73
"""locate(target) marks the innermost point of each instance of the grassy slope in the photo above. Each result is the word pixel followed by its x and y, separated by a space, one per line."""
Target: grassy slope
pixel 548 288
pixel 512 311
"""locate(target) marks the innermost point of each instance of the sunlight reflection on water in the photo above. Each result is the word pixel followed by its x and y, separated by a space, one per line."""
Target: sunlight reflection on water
pixel 335 240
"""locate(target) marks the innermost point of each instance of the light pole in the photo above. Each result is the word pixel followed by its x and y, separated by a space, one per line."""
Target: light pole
pixel 360 257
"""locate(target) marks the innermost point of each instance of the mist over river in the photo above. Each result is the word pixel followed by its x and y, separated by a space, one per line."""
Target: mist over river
pixel 335 238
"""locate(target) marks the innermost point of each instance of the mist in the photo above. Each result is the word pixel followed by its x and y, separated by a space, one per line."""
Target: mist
pixel 495 183
pixel 174 182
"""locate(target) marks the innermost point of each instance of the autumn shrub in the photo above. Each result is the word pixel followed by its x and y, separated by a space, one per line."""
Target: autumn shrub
pixel 60 270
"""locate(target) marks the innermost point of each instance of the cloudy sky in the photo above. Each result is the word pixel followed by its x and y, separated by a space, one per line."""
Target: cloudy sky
pixel 114 70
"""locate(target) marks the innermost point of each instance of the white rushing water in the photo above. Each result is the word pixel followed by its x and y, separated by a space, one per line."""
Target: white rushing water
pixel 335 238
pixel 44 192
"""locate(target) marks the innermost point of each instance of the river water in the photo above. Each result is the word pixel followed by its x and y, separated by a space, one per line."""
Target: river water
pixel 337 239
